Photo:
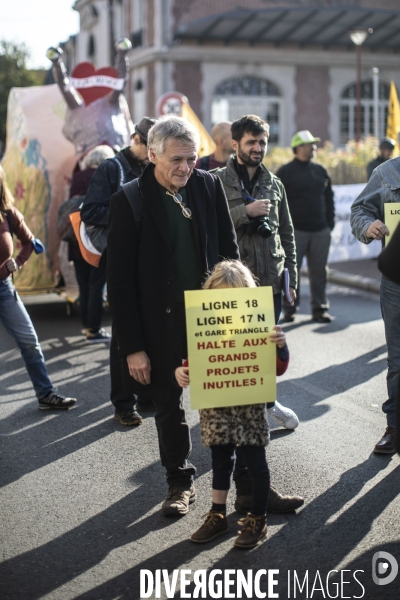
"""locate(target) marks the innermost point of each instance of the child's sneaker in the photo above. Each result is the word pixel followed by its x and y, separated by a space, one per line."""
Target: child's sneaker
pixel 283 415
pixel 254 532
pixel 99 336
pixel 215 524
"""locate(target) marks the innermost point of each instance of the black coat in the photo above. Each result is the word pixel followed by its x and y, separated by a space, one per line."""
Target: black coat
pixel 140 267
pixel 105 182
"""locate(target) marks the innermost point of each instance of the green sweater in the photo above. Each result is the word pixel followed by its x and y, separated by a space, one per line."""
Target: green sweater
pixel 187 267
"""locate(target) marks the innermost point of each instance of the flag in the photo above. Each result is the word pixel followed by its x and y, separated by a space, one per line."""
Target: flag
pixel 207 145
pixel 393 121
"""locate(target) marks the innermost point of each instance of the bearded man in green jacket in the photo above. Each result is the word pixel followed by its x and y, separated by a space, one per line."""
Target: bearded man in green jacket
pixel 265 235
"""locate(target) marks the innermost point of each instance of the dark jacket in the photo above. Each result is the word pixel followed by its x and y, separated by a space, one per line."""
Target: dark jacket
pixel 140 267
pixel 309 195
pixel 376 162
pixel 105 182
pixel 266 258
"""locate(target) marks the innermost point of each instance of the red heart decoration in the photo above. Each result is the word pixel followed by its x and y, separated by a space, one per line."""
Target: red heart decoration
pixel 87 69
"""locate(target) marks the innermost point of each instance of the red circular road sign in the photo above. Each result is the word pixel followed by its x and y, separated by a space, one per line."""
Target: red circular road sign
pixel 171 103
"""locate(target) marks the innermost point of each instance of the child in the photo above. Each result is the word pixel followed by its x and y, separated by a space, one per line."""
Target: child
pixel 222 429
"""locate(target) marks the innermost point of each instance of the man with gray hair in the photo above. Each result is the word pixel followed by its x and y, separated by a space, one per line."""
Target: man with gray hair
pixel 165 232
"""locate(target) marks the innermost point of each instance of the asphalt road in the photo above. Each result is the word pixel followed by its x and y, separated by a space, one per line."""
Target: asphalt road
pixel 81 495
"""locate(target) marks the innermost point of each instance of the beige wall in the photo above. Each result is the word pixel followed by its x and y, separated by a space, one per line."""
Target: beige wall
pixel 151 98
pixel 187 79
pixel 312 100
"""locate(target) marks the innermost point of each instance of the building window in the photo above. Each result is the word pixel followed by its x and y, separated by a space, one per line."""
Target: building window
pixel 138 23
pixel 348 110
pixel 137 39
pixel 91 47
pixel 239 96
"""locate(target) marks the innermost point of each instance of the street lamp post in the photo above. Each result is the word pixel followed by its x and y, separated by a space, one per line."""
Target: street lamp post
pixel 358 37
pixel 375 79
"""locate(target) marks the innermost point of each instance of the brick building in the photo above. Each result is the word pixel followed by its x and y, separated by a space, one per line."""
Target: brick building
pixel 290 61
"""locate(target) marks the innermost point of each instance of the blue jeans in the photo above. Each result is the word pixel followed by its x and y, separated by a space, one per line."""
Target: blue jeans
pixel 390 306
pixel 18 324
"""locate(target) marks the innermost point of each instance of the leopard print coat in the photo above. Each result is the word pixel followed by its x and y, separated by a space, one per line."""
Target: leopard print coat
pixel 239 425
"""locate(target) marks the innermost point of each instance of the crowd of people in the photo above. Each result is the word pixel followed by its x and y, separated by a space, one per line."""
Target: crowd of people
pixel 175 222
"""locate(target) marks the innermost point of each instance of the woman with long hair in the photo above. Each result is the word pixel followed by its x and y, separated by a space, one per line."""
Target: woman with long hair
pixel 13 314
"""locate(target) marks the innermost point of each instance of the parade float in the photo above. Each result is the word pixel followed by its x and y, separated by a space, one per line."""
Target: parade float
pixel 49 130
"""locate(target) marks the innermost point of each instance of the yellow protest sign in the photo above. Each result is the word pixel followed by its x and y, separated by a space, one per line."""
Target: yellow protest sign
pixel 231 360
pixel 392 218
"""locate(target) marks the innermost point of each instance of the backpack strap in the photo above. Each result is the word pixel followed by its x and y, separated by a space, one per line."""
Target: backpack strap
pixel 134 196
pixel 122 177
pixel 211 186
pixel 205 163
pixel 132 192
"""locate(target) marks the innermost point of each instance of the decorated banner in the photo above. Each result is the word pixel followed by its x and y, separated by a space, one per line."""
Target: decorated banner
pixel 231 360
pixel 344 246
pixel 392 218
pixel 103 81
pixel 48 129
pixel 38 163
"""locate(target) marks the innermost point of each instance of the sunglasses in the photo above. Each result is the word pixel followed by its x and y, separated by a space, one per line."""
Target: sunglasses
pixel 178 199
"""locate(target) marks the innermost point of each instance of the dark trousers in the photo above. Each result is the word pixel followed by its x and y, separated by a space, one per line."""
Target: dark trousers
pixel 172 427
pixel 223 461
pixel 91 281
pixel 121 399
pixel 314 245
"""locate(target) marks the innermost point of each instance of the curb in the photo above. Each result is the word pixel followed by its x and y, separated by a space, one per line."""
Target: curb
pixel 355 281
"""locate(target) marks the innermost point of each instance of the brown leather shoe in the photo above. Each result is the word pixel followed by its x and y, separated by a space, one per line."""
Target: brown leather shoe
pixel 177 501
pixel 277 503
pixel 215 524
pixel 386 444
pixel 253 533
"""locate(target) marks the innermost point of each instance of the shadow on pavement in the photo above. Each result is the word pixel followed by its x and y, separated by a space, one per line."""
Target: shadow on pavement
pixel 24 448
pixel 332 380
pixel 341 317
pixel 318 538
pixel 40 571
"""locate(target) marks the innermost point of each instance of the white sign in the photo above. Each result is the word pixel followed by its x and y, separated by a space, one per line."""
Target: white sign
pixel 96 81
pixel 344 246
